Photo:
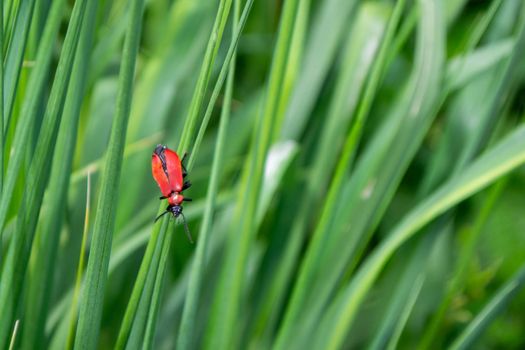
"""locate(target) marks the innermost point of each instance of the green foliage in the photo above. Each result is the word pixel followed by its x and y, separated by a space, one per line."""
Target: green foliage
pixel 356 172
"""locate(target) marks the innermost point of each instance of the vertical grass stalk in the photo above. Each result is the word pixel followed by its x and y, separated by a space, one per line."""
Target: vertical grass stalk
pixel 14 57
pixel 186 338
pixel 301 289
pixel 43 271
pixel 15 264
pixel 141 283
pixel 90 311
pixel 2 141
pixel 225 314
pixel 30 108
pixel 204 75
pixel 80 271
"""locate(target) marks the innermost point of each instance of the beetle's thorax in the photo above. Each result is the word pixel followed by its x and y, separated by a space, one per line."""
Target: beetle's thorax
pixel 175 199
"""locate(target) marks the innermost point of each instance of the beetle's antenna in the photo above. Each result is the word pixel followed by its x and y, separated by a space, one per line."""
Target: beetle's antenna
pixel 186 229
pixel 158 217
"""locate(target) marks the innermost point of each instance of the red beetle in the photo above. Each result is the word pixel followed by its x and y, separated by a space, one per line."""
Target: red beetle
pixel 169 172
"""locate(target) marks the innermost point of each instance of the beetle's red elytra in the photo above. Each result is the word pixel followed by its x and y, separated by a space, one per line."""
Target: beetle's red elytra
pixel 169 173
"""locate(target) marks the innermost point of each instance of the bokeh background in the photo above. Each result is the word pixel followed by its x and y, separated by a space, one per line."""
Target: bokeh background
pixel 357 171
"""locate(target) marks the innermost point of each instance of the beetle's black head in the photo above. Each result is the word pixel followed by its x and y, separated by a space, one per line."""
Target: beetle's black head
pixel 176 210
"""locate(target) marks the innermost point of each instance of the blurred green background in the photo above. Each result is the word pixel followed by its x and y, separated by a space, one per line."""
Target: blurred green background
pixel 357 171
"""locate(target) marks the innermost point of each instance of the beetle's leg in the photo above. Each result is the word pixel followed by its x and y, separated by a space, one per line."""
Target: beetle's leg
pixel 186 185
pixel 186 199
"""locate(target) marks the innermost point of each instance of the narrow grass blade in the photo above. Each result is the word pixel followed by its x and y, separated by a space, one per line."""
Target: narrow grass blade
pixel 476 138
pixel 406 291
pixel 309 265
pixel 328 28
pixel 123 250
pixel 14 268
pixel 407 310
pixel 147 262
pixel 498 161
pixel 30 108
pixel 186 336
pixel 226 305
pixel 90 310
pixel 403 297
pixel 14 57
pixel 505 87
pixel 164 91
pixel 153 251
pixel 355 64
pixel 13 336
pixel 155 300
pixel 80 272
pixel 460 269
pixel 9 15
pixel 145 310
pixel 2 139
pixel 222 76
pixel 204 75
pixel 230 55
pixel 496 305
pixel 42 274
pixel 464 69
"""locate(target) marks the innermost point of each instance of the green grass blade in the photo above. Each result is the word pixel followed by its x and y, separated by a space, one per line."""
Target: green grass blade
pixel 404 295
pixel 389 153
pixel 204 75
pixel 141 284
pixel 12 342
pixel 43 271
pixel 226 305
pixel 501 159
pixel 150 259
pixel 476 137
pixel 122 252
pixel 2 139
pixel 355 64
pixel 90 310
pixel 30 109
pixel 145 313
pixel 14 57
pixel 220 80
pixel 461 268
pixel 14 268
pixel 158 286
pixel 329 26
pixel 156 295
pixel 9 15
pixel 464 69
pixel 407 310
pixel 80 272
pixel 187 332
pixel 301 290
pixel 405 291
pixel 393 147
pixel 164 90
pixel 506 85
pixel 472 333
pixel 327 177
